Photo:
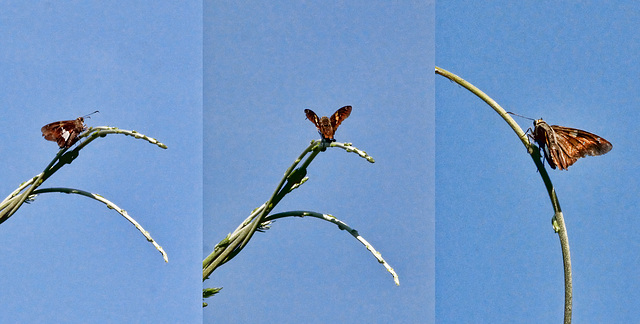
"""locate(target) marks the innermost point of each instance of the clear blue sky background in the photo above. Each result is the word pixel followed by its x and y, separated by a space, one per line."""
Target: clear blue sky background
pixel 69 259
pixel 573 64
pixel 265 62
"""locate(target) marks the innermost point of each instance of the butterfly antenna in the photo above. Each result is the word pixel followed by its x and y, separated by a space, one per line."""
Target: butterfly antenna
pixel 87 116
pixel 510 113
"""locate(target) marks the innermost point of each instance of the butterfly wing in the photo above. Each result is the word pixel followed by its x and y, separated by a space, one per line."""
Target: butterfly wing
pixel 54 132
pixel 547 140
pixel 581 143
pixel 48 131
pixel 558 152
pixel 312 117
pixel 65 132
pixel 340 115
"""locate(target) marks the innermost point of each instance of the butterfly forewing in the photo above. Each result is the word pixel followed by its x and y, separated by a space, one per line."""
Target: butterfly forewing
pixel 563 146
pixel 340 115
pixel 583 143
pixel 312 117
pixel 327 125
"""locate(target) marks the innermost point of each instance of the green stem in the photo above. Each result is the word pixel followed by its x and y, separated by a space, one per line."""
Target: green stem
pixel 558 220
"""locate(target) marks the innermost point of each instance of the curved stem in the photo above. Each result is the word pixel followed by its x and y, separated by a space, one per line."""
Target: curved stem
pixel 343 226
pixel 94 132
pixel 110 205
pixel 558 219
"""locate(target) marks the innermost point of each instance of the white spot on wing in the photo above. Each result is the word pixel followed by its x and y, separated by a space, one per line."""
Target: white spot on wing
pixel 65 134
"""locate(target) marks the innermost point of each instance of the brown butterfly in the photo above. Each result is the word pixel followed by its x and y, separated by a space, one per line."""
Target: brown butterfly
pixel 64 132
pixel 563 146
pixel 327 125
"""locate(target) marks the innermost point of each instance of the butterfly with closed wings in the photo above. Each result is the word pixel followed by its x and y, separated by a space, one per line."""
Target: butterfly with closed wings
pixel 65 132
pixel 563 146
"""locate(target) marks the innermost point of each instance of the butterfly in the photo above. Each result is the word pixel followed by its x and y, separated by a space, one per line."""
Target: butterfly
pixel 563 146
pixel 327 125
pixel 64 132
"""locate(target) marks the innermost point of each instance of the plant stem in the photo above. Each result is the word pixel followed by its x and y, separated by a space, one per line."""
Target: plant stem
pixel 558 220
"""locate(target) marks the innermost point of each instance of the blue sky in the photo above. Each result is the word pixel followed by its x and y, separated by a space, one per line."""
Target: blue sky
pixel 264 64
pixel 68 259
pixel 573 64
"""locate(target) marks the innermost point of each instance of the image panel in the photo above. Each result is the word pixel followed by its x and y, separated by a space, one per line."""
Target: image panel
pixel 265 64
pixel 571 69
pixel 68 253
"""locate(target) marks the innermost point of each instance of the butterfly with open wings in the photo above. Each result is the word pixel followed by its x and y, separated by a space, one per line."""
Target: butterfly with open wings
pixel 563 146
pixel 64 132
pixel 327 125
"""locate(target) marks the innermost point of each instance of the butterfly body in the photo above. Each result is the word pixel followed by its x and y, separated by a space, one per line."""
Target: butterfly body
pixel 327 125
pixel 563 146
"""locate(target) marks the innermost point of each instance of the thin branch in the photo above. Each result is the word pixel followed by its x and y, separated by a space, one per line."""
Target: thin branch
pixel 558 219
pixel 341 225
pixel 110 205
pixel 94 132
pixel 350 148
